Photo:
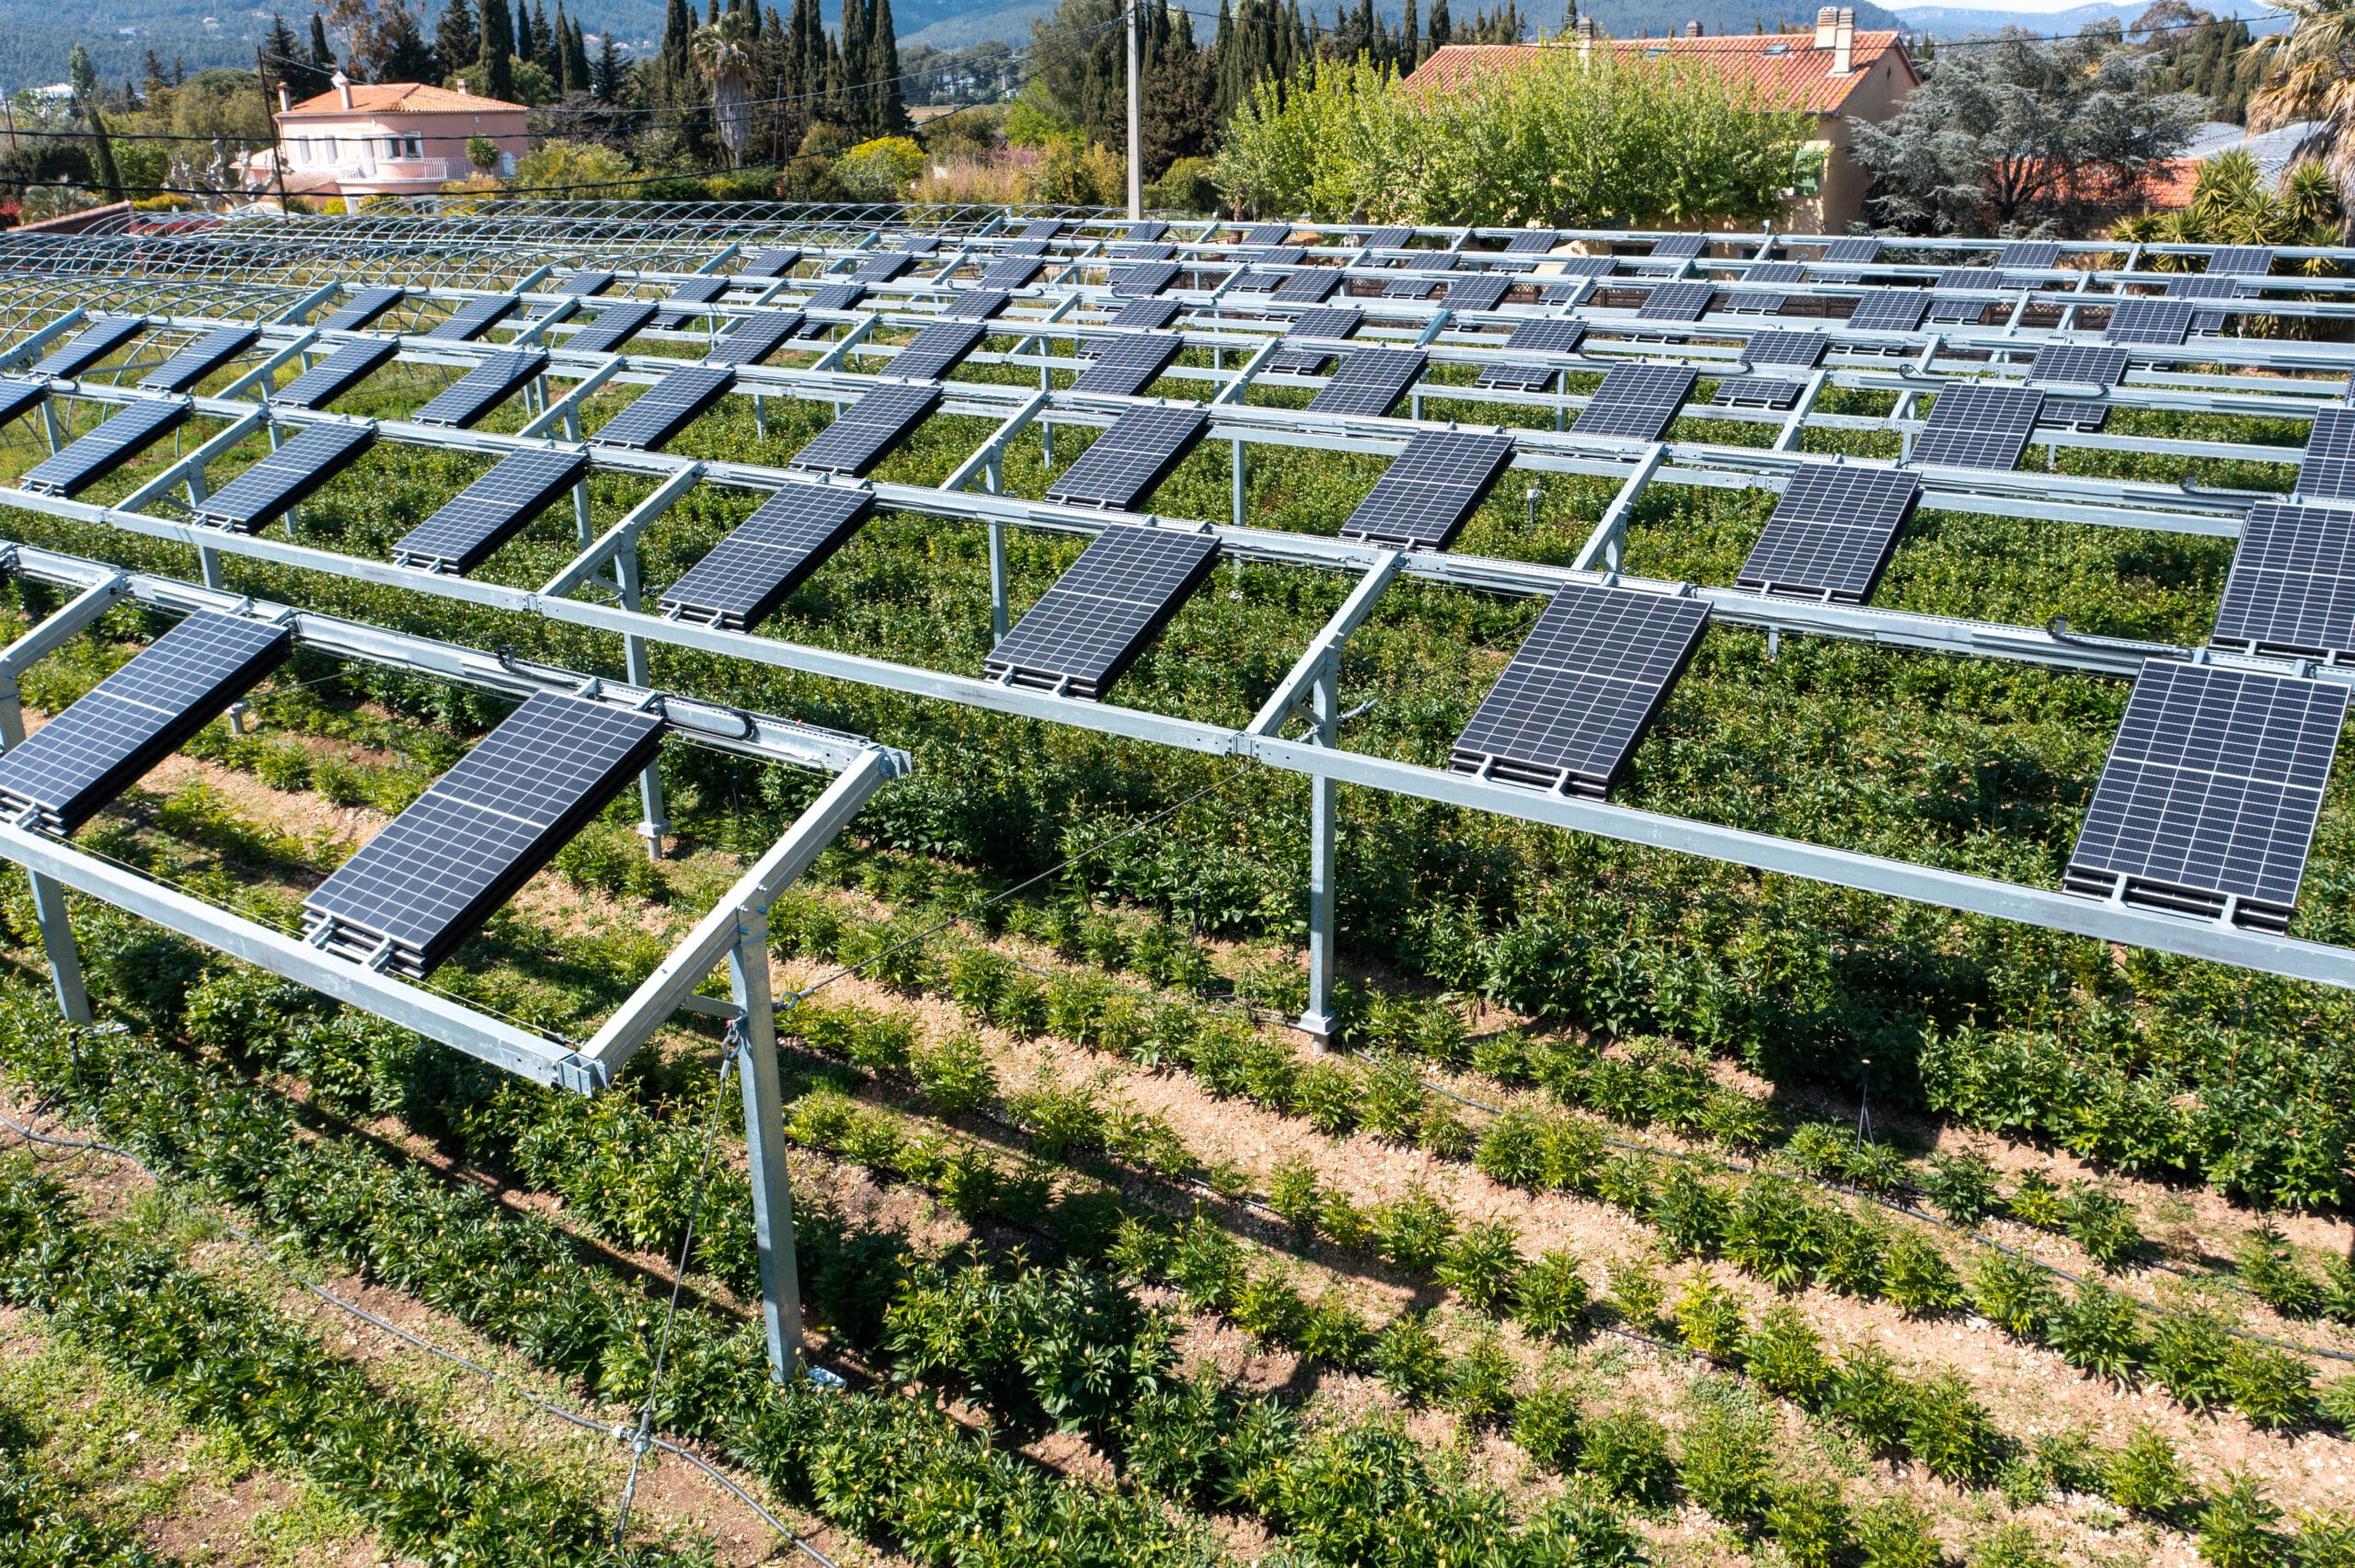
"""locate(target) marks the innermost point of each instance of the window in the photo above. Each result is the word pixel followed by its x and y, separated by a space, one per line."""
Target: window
pixel 412 146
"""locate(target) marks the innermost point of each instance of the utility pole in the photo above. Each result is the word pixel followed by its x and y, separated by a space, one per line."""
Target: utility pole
pixel 1136 123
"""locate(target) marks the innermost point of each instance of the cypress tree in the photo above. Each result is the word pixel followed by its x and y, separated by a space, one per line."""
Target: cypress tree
pixel 1440 29
pixel 576 59
pixel 322 57
pixel 678 28
pixel 565 80
pixel 606 78
pixel 457 41
pixel 1410 43
pixel 847 104
pixel 547 50
pixel 498 76
pixel 889 116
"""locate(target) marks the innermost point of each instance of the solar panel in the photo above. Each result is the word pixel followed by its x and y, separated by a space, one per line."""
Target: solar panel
pixel 1637 402
pixel 1532 242
pixel 869 428
pixel 1978 426
pixel 884 268
pixel 2211 793
pixel 1310 285
pixel 337 373
pixel 1014 272
pixel 2201 286
pixel 1430 490
pixel 1281 256
pixel 100 744
pixel 106 449
pixel 485 514
pixel 668 406
pixel 1149 278
pixel 2241 261
pixel 89 347
pixel 756 335
pixel 1092 623
pixel 18 398
pixel 837 296
pixel 1146 316
pixel 1889 310
pixel 1757 302
pixel 1045 228
pixel 2143 320
pixel 1142 252
pixel 361 308
pixel 1856 249
pixel 1554 336
pixel 437 871
pixel 1147 230
pixel 472 319
pixel 1832 532
pixel 920 245
pixel 1582 689
pixel 1370 381
pixel 2077 364
pixel 1331 322
pixel 938 349
pixel 1125 463
pixel 586 283
pixel 774 263
pixel 753 571
pixel 281 481
pixel 2034 256
pixel 1388 239
pixel 694 291
pixel 979 305
pixel 1803 349
pixel 2327 474
pixel 1677 301
pixel 1952 309
pixel 1477 291
pixel 1416 288
pixel 1266 234
pixel 198 360
pixel 1678 247
pixel 474 395
pixel 1023 249
pixel 1777 392
pixel 614 325
pixel 1128 364
pixel 2292 585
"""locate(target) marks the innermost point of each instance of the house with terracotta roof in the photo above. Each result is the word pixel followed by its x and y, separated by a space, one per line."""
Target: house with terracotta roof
pixel 1837 74
pixel 383 138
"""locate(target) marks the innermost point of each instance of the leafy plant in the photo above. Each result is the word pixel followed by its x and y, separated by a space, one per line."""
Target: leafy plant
pixel 1626 1452
pixel 2236 1526
pixel 1547 1423
pixel 2099 1334
pixel 1786 1359
pixel 1709 1319
pixel 2016 1296
pixel 1961 1187
pixel 1482 1262
pixel 1551 1296
pixel 1810 1521
pixel 2144 1476
pixel 1950 1432
pixel 2270 1268
pixel 1725 1465
pixel 1916 1277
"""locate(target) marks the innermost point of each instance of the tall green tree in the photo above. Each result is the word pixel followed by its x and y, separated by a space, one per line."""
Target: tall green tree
pixel 609 74
pixel 498 58
pixel 322 54
pixel 674 68
pixel 457 36
pixel 847 105
pixel 566 82
pixel 547 51
pixel 887 112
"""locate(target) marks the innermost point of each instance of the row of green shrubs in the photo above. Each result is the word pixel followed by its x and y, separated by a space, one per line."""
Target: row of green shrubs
pixel 44 1523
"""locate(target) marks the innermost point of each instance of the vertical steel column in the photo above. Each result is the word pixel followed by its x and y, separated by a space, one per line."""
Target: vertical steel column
pixel 637 668
pixel 1238 481
pixel 1318 1020
pixel 748 981
pixel 1000 619
pixel 49 898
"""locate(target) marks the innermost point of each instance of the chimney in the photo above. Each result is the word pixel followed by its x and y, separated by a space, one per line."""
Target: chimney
pixel 285 102
pixel 343 88
pixel 1692 30
pixel 1843 41
pixel 1827 22
pixel 1586 37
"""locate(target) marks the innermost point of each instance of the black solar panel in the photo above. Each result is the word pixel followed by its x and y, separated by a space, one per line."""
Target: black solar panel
pixel 920 245
pixel 1280 256
pixel 280 482
pixel 1978 426
pixel 1259 282
pixel 89 348
pixel 485 514
pixel 1146 316
pixel 979 305
pixel 2327 474
pixel 474 318
pixel 668 406
pixel 2031 255
pixel 869 428
pixel 474 395
pixel 1678 247
pixel 1142 252
pixel 2211 793
pixel 2077 364
pixel 198 360
pixel 586 283
pixel 614 327
pixel 752 571
pixel 357 312
pixel 1098 617
pixel 1430 490
pixel 884 268
pixel 1045 228
pixel 1777 392
pixel 1128 364
pixel 438 870
pixel 135 717
pixel 774 263
pixel 1310 285
pixel 1759 302
pixel 1266 234
pixel 756 335
pixel 1014 272
pixel 1127 462
pixel 337 373
pixel 2292 585
pixel 1532 242
pixel 1578 695
pixel 1554 335
pixel 1477 291
pixel 2202 286
pixel 934 351
pixel 1802 349
pixel 2241 261
pixel 1331 322
pixel 1889 310
pixel 1388 239
pixel 106 449
pixel 1370 381
pixel 1147 230
pixel 1832 531
pixel 19 397
pixel 1637 402
pixel 837 296
pixel 1947 309
pixel 2161 322
pixel 1852 250
pixel 1677 301
pixel 1147 278
pixel 694 291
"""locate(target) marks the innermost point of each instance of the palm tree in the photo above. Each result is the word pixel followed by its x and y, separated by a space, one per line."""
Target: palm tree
pixel 2308 73
pixel 723 51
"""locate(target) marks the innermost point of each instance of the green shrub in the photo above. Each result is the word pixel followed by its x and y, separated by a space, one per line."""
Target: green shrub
pixel 2337 1401
pixel 2035 1200
pixel 1293 1194
pixel 1512 1150
pixel 1738 1121
pixel 2191 1356
pixel 1689 1213
pixel 2143 1476
pixel 1482 1262
pixel 1328 1093
pixel 1480 1382
pixel 1503 1055
pixel 1895 1533
pixel 1444 1133
pixel 1393 1106
pixel 2015 1295
pixel 1627 1450
pixel 1870 1398
pixel 1709 1319
pixel 2099 1221
pixel 1206 1265
pixel 1809 1520
pixel 2325 1538
pixel 1625 1181
pixel 1852 1254
pixel 1916 1277
pixel 1175 1437
pixel 1786 1357
pixel 2099 1332
pixel 1584 1529
pixel 955 1075
pixel 1334 1334
pixel 1266 1308
pixel 1550 1297
pixel 1636 1294
pixel 2271 1269
pixel 1407 1357
pixel 2236 1526
pixel 1572 1153
pixel 1820 1149
pixel 2273 1387
pixel 1776 1232
pixel 2013 1545
pixel 1960 1187
pixel 1950 1432
pixel 1726 1464
pixel 1546 1423
pixel 1414 1231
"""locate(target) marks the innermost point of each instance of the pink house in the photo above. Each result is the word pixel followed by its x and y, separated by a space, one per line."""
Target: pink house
pixel 385 137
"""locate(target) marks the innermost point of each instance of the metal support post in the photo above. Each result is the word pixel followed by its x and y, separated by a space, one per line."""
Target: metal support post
pixel 748 983
pixel 1606 546
pixel 1318 1020
pixel 57 942
pixel 1001 621
pixel 639 666
pixel 1238 481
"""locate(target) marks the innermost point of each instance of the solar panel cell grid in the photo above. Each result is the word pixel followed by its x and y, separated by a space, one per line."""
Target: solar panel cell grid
pixel 198 360
pixel 357 312
pixel 1756 392
pixel 614 326
pixel 756 335
pixel 884 268
pixel 463 533
pixel 98 746
pixel 583 285
pixel 1014 272
pixel 2292 589
pixel 1266 234
pixel 1129 364
pixel 1802 349
pixel 1480 290
pixel 1127 462
pixel 89 347
pixel 1637 402
pixel 1147 230
pixel 979 305
pixel 18 398
pixel 282 480
pixel 1310 285
pixel 869 429
pixel 1430 490
pixel 1855 249
pixel 1388 239
pixel 1145 315
pixel 668 406
pixel 934 351
pixel 1678 247
pixel 2163 322
pixel 1532 242
pixel 1142 252
pixel 1334 322
pixel 1677 301
pixel 774 263
pixel 2328 471
pixel 1554 335
pixel 2077 364
pixel 474 318
pixel 1757 300
pixel 1583 688
pixel 1832 532
pixel 2241 261
pixel 1087 629
pixel 2036 256
pixel 1370 382
pixel 336 374
pixel 1978 426
pixel 692 291
pixel 1889 310
pixel 2211 792
pixel 1148 279
pixel 106 449
pixel 468 400
pixel 756 567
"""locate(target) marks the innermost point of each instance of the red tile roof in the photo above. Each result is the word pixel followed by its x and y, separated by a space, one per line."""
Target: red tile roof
pixel 404 97
pixel 1787 67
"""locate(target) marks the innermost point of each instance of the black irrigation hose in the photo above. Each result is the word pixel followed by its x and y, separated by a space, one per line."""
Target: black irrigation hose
pixel 500 1380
